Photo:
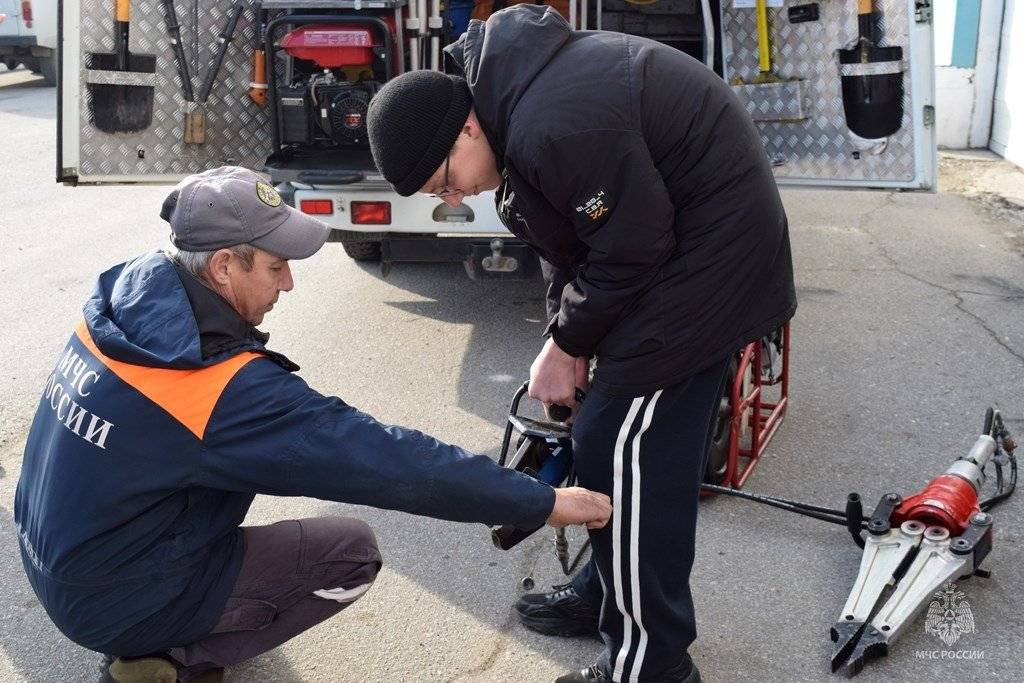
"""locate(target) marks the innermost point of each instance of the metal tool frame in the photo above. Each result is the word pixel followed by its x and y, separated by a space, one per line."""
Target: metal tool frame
pixel 762 417
pixel 271 47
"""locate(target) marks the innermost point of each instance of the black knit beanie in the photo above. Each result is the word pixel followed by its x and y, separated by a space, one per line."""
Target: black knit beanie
pixel 413 122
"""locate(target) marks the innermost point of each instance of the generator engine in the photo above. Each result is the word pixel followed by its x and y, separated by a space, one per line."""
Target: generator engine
pixel 336 69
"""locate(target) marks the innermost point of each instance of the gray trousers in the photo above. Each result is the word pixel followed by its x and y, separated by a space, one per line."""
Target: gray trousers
pixel 295 574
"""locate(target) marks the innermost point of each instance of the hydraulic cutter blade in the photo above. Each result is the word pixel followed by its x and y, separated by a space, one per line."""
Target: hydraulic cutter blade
pixel 938 560
pixel 883 556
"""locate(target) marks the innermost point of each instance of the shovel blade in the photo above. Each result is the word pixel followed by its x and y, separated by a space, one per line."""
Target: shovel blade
pixel 121 108
pixel 873 104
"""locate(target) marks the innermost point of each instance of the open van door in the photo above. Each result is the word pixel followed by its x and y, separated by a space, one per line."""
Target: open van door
pixel 832 109
pixel 94 90
pixel 801 97
pixel 846 96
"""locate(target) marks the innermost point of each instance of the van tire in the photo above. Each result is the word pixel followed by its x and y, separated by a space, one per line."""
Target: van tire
pixel 47 67
pixel 11 63
pixel 362 251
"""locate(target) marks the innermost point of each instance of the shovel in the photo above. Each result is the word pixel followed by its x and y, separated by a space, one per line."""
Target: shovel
pixel 872 80
pixel 768 97
pixel 121 87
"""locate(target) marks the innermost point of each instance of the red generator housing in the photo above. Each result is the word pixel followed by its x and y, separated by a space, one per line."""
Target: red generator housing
pixel 331 45
pixel 336 46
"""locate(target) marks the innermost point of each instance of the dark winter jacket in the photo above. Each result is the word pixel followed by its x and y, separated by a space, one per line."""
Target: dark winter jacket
pixel 636 172
pixel 163 418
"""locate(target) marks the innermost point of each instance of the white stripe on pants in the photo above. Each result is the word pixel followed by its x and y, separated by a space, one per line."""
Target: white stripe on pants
pixel 634 539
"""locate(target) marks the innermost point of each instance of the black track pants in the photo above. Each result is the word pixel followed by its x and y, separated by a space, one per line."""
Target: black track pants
pixel 647 453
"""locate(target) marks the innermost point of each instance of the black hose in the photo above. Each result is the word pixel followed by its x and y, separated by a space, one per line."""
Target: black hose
pixel 576 561
pixel 1002 492
pixel 995 428
pixel 805 509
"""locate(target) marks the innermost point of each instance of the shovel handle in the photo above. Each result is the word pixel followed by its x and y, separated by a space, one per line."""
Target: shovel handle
pixel 764 57
pixel 122 10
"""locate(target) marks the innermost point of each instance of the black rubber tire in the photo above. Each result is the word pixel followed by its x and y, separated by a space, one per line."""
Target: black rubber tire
pixel 718 450
pixel 11 63
pixel 362 251
pixel 48 70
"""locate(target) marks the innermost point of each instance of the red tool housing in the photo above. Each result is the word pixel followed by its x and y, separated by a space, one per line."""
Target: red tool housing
pixel 948 501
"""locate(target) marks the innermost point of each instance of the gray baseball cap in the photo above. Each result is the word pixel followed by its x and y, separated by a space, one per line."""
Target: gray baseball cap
pixel 231 205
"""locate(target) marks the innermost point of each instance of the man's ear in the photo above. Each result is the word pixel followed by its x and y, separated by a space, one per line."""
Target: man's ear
pixel 218 268
pixel 472 126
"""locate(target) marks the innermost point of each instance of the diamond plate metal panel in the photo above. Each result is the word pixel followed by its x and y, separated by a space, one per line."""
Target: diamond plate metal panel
pixel 237 130
pixel 783 101
pixel 821 147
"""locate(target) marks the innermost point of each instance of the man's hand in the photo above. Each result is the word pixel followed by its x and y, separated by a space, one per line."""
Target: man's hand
pixel 576 505
pixel 553 376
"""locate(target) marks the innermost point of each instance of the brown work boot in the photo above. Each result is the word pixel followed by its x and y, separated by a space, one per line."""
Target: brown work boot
pixel 143 670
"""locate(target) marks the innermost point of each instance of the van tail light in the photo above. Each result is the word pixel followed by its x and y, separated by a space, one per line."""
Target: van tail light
pixel 371 213
pixel 317 207
pixel 26 13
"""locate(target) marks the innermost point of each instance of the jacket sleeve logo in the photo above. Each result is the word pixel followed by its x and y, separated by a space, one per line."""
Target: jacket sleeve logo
pixel 594 207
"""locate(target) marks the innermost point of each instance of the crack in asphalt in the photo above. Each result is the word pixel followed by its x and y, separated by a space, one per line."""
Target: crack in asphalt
pixel 890 200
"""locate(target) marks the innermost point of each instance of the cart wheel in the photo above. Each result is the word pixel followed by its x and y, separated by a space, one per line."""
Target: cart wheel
pixel 717 461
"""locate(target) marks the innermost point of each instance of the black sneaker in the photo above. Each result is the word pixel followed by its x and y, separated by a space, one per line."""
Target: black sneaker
pixel 561 612
pixel 591 673
pixel 683 672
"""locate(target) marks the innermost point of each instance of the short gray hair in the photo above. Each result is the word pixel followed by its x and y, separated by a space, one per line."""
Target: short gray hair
pixel 198 262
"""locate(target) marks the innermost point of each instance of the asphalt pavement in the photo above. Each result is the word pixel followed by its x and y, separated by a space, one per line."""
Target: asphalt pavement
pixel 911 323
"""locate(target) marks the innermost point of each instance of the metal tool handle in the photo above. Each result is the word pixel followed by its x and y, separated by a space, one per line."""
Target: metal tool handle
pixel 174 31
pixel 558 412
pixel 122 17
pixel 708 26
pixel 763 50
pixel 866 26
pixel 218 60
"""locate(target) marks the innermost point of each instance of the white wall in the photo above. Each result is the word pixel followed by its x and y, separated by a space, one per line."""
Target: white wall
pixel 954 107
pixel 1008 114
pixel 963 96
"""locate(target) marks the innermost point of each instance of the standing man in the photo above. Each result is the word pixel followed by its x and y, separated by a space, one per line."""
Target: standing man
pixel 167 413
pixel 637 175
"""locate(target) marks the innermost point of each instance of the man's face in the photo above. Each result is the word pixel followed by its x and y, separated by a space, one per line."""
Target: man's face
pixel 254 292
pixel 469 169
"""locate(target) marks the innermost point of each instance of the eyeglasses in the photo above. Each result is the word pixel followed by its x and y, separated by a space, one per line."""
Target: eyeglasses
pixel 445 190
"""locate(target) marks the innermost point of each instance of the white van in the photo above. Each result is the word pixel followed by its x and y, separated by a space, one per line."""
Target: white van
pixel 28 35
pixel 809 90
